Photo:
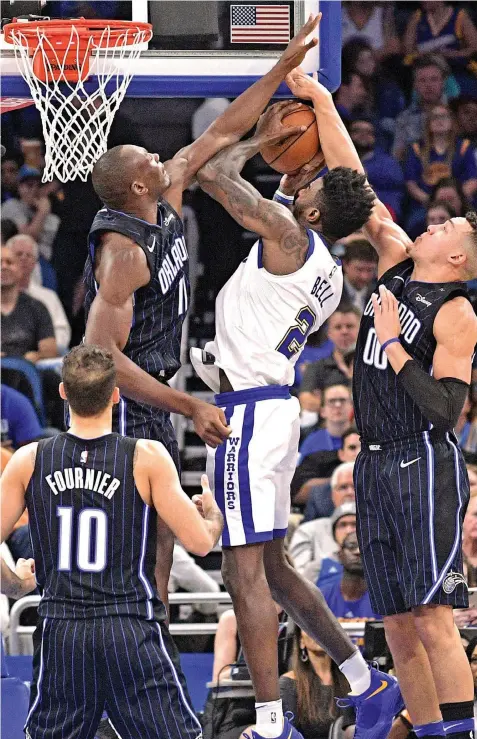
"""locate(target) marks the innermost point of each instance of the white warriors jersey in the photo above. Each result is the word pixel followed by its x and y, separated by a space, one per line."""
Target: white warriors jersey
pixel 263 320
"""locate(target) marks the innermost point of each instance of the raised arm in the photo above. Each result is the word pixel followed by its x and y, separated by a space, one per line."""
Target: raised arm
pixel 387 237
pixel 285 242
pixel 243 113
pixel 158 482
pixel 122 270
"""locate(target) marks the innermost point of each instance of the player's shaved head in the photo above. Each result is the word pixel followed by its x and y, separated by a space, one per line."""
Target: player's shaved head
pixel 114 173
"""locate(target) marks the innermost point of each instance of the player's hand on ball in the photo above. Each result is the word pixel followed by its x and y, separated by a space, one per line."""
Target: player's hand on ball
pixel 299 46
pixel 306 87
pixel 25 570
pixel 386 315
pixel 209 423
pixel 291 183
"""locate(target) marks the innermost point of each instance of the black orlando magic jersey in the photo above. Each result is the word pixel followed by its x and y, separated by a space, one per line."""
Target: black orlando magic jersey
pixel 383 409
pixel 160 307
pixel 94 539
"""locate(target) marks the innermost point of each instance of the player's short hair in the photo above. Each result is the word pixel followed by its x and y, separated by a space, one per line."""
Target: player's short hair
pixel 112 178
pixel 89 378
pixel 345 202
pixel 359 250
pixel 471 218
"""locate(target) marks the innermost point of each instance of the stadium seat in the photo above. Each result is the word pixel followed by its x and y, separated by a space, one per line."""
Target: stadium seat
pixel 31 376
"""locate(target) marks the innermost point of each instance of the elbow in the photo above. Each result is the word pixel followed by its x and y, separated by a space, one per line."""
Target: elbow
pixel 199 544
pixel 207 173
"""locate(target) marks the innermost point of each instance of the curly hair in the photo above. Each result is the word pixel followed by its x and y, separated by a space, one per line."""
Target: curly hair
pixel 345 201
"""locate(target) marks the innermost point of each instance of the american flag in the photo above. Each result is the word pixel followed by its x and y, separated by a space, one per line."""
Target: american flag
pixel 262 24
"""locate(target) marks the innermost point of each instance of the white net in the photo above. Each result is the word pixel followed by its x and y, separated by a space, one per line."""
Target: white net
pixel 77 116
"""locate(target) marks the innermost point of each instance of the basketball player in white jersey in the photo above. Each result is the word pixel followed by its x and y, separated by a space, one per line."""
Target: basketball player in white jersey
pixel 285 289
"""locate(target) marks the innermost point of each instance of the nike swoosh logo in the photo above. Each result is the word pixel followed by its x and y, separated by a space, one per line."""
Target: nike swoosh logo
pixel 406 464
pixel 151 248
pixel 383 686
pixel 453 725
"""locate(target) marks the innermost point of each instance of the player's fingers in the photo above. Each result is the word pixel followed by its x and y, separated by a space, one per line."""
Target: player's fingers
pixel 376 306
pixel 311 43
pixel 284 105
pixel 383 293
pixel 315 76
pixel 204 481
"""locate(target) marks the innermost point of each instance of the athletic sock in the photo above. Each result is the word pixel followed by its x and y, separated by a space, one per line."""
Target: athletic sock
pixel 269 719
pixel 458 719
pixel 357 673
pixel 424 731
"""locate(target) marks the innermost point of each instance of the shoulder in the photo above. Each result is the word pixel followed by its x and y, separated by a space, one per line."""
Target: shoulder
pixel 152 454
pixel 400 271
pixel 457 314
pixel 23 461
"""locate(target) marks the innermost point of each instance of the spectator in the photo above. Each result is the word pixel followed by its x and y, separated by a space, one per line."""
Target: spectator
pixel 8 230
pixel 342 330
pixel 351 95
pixel 25 250
pixel 465 108
pixel 187 575
pixel 429 77
pixel 360 268
pixel 20 424
pixel 441 154
pixel 385 99
pixel 310 689
pixel 373 23
pixel 348 598
pixel 10 168
pixel 314 540
pixel 440 27
pixel 449 190
pixel 31 211
pixel 336 411
pixel 320 501
pixel 438 211
pixel 27 330
pixel 384 173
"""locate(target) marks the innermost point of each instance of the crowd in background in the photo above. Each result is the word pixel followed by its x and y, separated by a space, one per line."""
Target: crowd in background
pixel 409 99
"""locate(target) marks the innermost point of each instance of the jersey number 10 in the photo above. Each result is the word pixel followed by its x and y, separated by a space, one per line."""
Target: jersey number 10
pixel 88 520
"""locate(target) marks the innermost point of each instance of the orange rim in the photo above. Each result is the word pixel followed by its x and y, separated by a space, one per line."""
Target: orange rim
pixel 89 28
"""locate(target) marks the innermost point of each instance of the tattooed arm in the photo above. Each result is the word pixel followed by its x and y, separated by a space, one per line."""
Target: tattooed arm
pixel 285 242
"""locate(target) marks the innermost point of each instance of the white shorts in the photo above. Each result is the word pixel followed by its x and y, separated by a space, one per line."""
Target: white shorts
pixel 251 472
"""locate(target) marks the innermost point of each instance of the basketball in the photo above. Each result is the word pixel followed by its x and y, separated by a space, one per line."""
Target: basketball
pixel 290 155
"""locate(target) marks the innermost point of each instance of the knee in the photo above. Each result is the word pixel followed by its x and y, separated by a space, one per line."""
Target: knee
pixel 401 633
pixel 240 581
pixel 435 626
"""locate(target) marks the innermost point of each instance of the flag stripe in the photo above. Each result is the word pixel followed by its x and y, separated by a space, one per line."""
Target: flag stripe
pixel 259 23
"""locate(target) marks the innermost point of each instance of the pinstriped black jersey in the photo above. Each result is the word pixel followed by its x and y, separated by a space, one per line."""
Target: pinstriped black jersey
pixel 94 539
pixel 161 306
pixel 383 409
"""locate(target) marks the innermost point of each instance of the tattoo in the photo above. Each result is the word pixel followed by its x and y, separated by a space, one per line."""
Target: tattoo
pixel 216 522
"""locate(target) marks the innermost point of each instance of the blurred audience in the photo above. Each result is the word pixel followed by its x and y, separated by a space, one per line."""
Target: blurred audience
pixel 429 77
pixel 19 420
pixel 309 690
pixel 31 211
pixel 439 155
pixel 336 412
pixel 187 575
pixel 447 29
pixel 469 543
pixel 360 269
pixel 438 211
pixel 10 169
pixel 342 330
pixel 384 173
pixel 26 252
pixel 351 96
pixel 372 22
pixel 314 540
pixel 8 229
pixel 449 190
pixel 347 597
pixel 465 108
pixel 320 500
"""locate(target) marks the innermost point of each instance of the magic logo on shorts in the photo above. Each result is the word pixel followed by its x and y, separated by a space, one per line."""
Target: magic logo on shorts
pixel 231 471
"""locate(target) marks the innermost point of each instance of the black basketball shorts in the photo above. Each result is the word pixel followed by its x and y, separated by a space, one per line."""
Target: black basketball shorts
pixel 411 497
pixel 126 666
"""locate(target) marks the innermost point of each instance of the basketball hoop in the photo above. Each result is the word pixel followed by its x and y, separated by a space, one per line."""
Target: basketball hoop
pixel 54 58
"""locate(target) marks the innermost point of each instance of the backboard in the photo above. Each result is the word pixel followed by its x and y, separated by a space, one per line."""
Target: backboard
pixel 202 48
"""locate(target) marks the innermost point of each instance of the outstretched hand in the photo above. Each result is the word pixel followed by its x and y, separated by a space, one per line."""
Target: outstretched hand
pixel 305 86
pixel 298 46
